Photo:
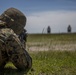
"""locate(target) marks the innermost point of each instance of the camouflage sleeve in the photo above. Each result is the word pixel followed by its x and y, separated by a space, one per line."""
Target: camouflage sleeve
pixel 14 50
pixel 2 24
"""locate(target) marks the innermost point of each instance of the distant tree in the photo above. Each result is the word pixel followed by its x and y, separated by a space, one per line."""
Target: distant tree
pixel 69 29
pixel 48 29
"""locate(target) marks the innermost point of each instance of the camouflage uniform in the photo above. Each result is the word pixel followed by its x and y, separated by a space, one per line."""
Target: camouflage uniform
pixel 11 48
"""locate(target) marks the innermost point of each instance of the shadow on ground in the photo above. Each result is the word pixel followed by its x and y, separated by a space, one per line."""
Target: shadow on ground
pixel 9 71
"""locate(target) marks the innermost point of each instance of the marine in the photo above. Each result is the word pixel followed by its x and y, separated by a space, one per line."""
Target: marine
pixel 12 23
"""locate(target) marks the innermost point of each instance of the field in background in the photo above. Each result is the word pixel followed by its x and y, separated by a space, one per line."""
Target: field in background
pixel 45 42
pixel 52 54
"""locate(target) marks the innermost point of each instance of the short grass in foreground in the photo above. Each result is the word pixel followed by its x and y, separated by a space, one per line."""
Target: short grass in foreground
pixel 54 63
pixel 51 63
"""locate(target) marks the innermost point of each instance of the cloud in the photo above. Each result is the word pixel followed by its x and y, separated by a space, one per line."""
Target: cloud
pixel 57 20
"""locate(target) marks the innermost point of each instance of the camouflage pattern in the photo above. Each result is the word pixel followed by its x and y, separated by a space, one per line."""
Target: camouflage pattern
pixel 11 47
pixel 14 19
pixel 12 50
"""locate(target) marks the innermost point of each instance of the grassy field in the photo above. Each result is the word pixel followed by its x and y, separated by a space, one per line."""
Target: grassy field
pixel 44 42
pixel 53 61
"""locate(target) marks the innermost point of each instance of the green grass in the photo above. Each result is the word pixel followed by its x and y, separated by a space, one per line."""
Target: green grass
pixel 51 41
pixel 51 37
pixel 54 63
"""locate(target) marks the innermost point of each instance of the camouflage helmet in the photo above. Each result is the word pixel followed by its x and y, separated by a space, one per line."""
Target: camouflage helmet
pixel 14 19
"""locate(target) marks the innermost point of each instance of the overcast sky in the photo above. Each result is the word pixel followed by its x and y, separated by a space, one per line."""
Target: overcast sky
pixel 57 14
